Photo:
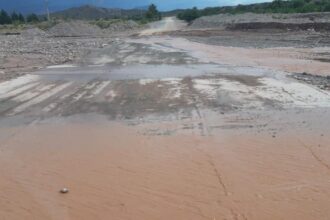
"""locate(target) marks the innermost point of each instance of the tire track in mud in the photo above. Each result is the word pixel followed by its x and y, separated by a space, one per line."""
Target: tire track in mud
pixel 217 174
pixel 215 170
pixel 11 85
pixel 197 103
pixel 18 91
pixel 41 97
pixel 77 96
pixel 229 204
pixel 315 156
pixel 26 97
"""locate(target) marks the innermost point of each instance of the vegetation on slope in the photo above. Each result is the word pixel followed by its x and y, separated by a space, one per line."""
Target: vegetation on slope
pixel 103 17
pixel 277 6
pixel 13 18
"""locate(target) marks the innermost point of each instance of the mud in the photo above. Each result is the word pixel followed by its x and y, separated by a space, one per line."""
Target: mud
pixel 160 127
pixel 281 26
pixel 157 170
pixel 323 82
pixel 256 38
pixel 286 59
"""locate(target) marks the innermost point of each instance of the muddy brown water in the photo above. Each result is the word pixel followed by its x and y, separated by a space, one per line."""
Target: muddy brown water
pixel 140 139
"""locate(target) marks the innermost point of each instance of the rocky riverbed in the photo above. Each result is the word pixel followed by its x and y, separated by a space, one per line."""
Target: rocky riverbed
pixel 27 50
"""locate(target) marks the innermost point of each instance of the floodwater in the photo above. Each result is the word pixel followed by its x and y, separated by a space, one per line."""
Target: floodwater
pixel 151 129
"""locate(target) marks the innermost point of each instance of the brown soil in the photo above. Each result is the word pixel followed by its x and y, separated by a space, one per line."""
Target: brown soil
pixel 296 60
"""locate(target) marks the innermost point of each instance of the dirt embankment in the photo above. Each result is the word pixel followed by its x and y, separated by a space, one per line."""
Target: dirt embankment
pixel 30 48
pixel 282 26
pixel 90 29
pixel 75 29
pixel 247 21
pixel 25 53
pixel 308 30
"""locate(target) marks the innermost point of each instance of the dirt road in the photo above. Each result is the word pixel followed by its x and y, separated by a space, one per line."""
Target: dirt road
pixel 165 25
pixel 159 127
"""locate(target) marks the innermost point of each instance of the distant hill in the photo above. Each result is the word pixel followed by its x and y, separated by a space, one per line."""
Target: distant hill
pixel 88 12
pixel 145 7
pixel 172 13
pixel 275 6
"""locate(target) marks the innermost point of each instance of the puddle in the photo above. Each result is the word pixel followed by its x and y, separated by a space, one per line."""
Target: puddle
pixel 141 71
pixel 61 66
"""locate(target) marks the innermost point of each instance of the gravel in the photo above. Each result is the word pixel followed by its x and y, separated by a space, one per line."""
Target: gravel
pixel 75 29
pixel 31 48
pixel 34 49
pixel 123 26
pixel 322 82
pixel 222 21
pixel 34 33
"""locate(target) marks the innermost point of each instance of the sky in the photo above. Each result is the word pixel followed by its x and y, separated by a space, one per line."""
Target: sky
pixel 37 6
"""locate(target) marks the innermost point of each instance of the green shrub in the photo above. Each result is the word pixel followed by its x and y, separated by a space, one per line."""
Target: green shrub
pixel 5 18
pixel 189 15
pixel 153 14
pixel 32 18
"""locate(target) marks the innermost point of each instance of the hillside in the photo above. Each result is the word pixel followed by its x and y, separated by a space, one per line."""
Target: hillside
pixel 88 12
pixel 317 21
pixel 276 6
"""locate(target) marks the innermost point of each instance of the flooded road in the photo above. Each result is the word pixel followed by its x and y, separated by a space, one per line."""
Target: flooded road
pixel 149 128
pixel 133 78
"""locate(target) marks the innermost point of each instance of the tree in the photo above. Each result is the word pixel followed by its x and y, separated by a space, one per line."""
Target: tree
pixel 4 17
pixel 326 7
pixel 310 7
pixel 31 18
pixel 298 3
pixel 21 18
pixel 14 17
pixel 153 14
pixel 189 15
pixel 277 3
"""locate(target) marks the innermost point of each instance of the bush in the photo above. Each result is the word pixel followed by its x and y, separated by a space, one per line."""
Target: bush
pixel 46 25
pixel 5 18
pixel 310 7
pixel 105 23
pixel 153 14
pixel 21 18
pixel 189 15
pixel 327 7
pixel 14 17
pixel 32 18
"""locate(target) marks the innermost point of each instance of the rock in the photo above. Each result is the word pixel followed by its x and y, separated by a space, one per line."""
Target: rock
pixel 75 29
pixel 34 33
pixel 64 190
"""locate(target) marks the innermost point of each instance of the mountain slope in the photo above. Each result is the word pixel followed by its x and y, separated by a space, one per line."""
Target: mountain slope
pixel 88 12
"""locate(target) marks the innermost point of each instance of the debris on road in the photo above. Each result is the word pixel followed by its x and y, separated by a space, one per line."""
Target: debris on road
pixel 64 190
pixel 323 82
